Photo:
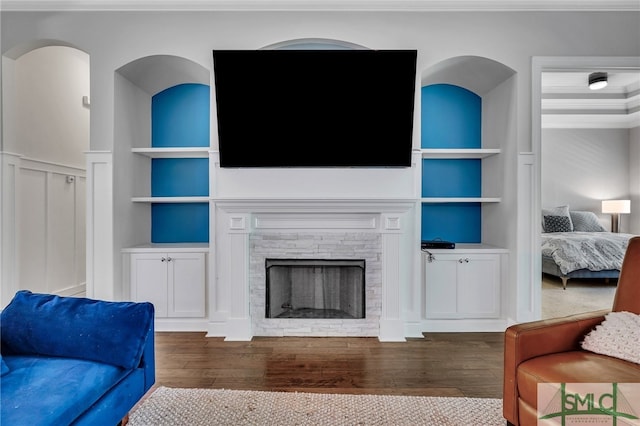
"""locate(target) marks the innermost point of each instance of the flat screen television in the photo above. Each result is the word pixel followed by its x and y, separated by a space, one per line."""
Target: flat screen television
pixel 315 108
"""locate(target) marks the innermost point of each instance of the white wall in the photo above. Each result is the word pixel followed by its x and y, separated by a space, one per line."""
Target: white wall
pixel 582 167
pixel 114 39
pixel 49 135
pixel 132 124
pixel 51 122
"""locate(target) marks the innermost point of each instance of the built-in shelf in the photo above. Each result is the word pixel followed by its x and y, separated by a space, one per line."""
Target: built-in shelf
pixel 461 199
pixel 444 153
pixel 170 199
pixel 469 248
pixel 178 152
pixel 174 247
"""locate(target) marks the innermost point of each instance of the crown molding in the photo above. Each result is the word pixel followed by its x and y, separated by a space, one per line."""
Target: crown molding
pixel 322 5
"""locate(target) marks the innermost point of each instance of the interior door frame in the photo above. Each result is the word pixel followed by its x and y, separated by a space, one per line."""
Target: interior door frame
pixel 540 64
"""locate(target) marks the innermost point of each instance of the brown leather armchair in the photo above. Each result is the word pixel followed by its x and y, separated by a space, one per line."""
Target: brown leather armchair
pixel 549 351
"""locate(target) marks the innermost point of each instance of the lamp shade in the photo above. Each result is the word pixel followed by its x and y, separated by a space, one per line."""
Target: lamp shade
pixel 616 206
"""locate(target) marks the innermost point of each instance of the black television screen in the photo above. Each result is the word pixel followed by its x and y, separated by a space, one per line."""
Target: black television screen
pixel 315 108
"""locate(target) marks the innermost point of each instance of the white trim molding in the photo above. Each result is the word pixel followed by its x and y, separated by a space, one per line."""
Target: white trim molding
pixel 9 179
pixel 100 257
pixel 321 5
pixel 529 292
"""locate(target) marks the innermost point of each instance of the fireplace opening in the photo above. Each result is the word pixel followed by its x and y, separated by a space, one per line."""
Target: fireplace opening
pixel 315 288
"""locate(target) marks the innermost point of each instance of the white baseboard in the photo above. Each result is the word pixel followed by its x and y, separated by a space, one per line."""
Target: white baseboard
pixel 78 290
pixel 179 324
pixel 413 330
pixel 465 325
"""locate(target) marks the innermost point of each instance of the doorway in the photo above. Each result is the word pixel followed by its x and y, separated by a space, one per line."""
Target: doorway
pixel 569 124
pixel 46 120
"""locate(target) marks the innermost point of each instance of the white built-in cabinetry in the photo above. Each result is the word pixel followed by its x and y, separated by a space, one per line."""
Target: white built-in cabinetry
pixel 467 139
pixel 161 182
pixel 463 283
pixel 172 278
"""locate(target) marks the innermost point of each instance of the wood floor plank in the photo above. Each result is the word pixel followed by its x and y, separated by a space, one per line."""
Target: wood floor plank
pixel 441 364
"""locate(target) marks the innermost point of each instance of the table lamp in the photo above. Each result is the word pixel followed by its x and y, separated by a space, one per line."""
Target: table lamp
pixel 615 208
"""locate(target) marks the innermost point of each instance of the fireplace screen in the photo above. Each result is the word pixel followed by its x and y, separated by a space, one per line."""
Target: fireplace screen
pixel 311 288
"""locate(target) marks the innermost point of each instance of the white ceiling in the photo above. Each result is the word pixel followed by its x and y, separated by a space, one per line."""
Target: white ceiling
pixel 337 5
pixel 567 101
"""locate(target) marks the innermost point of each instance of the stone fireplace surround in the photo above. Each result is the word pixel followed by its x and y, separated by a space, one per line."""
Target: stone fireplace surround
pixel 249 231
pixel 325 245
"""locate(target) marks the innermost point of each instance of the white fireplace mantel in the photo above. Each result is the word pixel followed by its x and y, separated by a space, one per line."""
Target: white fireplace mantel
pixel 237 219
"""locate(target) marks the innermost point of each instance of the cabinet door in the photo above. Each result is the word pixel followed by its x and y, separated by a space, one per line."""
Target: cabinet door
pixel 479 286
pixel 186 285
pixel 441 286
pixel 149 280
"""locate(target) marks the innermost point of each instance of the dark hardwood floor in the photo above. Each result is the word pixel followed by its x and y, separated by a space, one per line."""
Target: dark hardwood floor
pixel 441 364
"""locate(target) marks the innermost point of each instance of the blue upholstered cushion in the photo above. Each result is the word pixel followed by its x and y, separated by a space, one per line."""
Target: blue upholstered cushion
pixel 3 367
pixel 53 391
pixel 109 332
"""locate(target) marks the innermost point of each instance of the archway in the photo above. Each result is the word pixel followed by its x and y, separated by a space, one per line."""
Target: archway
pixel 46 102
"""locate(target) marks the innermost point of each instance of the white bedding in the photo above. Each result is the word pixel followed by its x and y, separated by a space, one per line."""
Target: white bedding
pixel 595 251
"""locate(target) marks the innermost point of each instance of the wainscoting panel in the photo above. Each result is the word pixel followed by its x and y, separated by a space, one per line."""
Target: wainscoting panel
pixel 51 228
pixel 32 230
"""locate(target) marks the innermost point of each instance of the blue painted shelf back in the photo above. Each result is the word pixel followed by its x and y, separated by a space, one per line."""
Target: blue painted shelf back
pixel 451 118
pixel 180 177
pixel 180 118
pixel 180 223
pixel 457 222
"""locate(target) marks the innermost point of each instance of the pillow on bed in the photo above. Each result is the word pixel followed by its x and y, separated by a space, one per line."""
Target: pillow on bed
pixel 618 336
pixel 586 222
pixel 557 211
pixel 557 224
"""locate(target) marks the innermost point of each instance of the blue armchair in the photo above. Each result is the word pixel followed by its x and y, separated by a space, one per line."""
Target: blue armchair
pixel 73 361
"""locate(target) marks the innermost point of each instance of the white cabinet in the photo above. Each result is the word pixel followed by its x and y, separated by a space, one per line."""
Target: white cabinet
pixel 462 284
pixel 173 281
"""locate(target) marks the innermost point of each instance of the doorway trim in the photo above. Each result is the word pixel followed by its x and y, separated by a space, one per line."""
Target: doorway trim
pixel 540 64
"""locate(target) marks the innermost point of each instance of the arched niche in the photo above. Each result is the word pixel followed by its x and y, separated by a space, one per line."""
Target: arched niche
pixel 475 73
pixel 136 84
pixel 494 84
pixel 156 73
pixel 314 44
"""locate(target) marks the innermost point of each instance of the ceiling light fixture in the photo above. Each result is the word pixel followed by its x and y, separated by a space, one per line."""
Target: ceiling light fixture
pixel 598 80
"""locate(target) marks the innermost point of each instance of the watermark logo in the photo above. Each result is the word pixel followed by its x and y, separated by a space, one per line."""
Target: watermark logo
pixel 589 404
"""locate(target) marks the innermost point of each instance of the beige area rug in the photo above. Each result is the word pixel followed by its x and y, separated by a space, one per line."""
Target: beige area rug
pixel 194 407
pixel 580 296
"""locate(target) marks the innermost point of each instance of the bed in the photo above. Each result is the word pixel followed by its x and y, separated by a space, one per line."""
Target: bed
pixel 576 245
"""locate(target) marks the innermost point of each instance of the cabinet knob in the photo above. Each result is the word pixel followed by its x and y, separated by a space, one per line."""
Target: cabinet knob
pixel 163 259
pixel 169 259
